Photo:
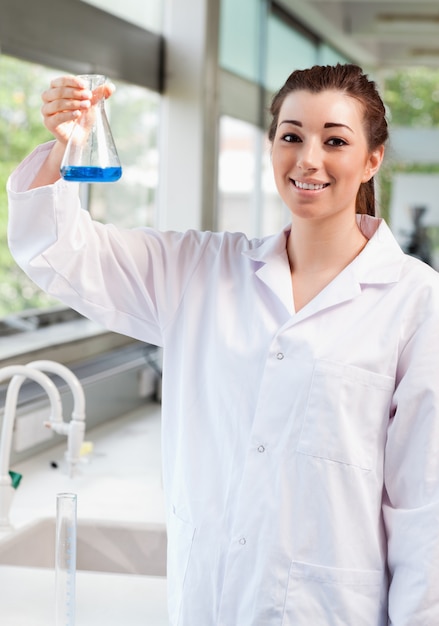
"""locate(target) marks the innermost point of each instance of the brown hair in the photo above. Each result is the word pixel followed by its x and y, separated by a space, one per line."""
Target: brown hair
pixel 351 80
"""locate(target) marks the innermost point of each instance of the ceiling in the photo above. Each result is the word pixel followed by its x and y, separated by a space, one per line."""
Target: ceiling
pixel 389 33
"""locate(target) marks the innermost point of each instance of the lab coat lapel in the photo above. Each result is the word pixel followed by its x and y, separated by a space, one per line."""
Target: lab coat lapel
pixel 379 263
pixel 276 275
pixel 273 269
pixel 271 264
pixel 342 288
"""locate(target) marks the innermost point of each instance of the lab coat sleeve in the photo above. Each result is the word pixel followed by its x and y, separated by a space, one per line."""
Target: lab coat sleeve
pixel 130 281
pixel 411 500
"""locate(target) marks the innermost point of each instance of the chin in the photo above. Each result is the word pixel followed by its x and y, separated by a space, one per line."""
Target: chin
pixel 306 213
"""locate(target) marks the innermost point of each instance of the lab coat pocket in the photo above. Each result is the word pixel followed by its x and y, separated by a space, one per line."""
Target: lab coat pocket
pixel 334 597
pixel 180 539
pixel 347 414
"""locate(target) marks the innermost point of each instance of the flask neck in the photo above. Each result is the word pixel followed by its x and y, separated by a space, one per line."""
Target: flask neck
pixel 93 82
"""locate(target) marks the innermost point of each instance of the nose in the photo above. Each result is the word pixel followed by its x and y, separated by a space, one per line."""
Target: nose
pixel 309 156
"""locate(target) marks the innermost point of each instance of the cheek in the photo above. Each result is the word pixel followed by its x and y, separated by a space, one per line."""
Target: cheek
pixel 278 162
pixel 278 173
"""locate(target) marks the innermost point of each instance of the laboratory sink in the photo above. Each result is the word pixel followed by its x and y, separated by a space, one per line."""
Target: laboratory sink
pixel 101 546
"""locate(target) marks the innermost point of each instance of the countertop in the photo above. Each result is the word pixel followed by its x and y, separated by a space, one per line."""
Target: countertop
pixel 27 599
pixel 120 481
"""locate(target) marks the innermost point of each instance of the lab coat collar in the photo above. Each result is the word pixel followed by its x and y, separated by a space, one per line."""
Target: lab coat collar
pixel 380 262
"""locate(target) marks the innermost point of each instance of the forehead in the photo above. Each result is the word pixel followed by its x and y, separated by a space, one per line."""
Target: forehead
pixel 325 106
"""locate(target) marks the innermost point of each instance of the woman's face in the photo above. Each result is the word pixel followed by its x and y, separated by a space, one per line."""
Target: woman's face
pixel 320 154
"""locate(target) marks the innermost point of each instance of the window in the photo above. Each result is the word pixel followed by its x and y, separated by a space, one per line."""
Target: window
pixel 240 38
pixel 248 200
pixel 144 13
pixel 133 114
pixel 20 130
pixel 330 56
pixel 287 50
pixel 237 175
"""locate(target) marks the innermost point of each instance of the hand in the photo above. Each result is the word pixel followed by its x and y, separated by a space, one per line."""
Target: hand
pixel 65 100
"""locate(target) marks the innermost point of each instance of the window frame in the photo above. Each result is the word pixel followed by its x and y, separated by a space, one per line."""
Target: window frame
pixel 91 41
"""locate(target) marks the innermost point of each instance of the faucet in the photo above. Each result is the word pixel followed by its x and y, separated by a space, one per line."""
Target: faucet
pixel 74 429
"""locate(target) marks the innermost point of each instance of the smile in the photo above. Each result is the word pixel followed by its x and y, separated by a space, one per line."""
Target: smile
pixel 310 186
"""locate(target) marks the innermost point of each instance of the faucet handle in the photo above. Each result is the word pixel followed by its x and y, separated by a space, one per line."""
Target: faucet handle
pixel 61 428
pixel 74 430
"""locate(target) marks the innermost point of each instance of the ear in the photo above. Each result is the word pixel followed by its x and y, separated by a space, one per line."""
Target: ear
pixel 373 164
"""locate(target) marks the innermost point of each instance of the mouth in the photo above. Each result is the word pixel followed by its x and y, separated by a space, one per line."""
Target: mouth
pixel 309 186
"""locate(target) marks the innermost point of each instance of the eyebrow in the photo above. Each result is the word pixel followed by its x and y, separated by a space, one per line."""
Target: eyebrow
pixel 327 125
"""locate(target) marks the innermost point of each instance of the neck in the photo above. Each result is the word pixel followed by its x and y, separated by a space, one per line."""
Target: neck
pixel 323 246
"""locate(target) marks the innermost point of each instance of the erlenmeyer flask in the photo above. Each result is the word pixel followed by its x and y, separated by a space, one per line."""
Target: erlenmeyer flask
pixel 91 154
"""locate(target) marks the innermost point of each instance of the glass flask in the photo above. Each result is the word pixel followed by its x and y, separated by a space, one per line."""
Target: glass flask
pixel 91 154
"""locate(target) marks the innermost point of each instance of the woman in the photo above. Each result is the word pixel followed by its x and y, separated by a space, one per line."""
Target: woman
pixel 300 389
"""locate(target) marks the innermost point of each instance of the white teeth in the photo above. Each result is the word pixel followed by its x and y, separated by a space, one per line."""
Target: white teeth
pixel 310 186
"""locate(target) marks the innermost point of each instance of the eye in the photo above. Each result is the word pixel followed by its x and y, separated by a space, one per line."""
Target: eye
pixel 291 138
pixel 336 142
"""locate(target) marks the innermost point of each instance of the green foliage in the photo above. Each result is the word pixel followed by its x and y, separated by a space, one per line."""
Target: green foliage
pixel 20 130
pixel 129 203
pixel 20 117
pixel 412 99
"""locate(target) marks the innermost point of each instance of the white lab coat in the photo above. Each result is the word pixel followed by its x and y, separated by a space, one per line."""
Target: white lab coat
pixel 301 450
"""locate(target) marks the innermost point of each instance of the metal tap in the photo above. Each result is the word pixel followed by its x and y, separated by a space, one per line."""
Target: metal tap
pixel 74 430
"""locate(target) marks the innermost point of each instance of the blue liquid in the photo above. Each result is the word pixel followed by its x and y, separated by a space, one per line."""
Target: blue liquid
pixel 89 174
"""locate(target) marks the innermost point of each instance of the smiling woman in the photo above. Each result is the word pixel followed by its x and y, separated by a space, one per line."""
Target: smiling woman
pixel 315 155
pixel 301 363
pixel 345 79
pixel 325 154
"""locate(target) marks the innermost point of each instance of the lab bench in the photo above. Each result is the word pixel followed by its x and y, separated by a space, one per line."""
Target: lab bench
pixel 118 483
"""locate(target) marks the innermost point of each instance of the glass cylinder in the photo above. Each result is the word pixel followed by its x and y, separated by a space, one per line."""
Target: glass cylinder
pixel 91 154
pixel 65 559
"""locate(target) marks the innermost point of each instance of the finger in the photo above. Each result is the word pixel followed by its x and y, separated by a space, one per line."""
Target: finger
pixel 60 125
pixel 52 107
pixel 57 120
pixel 109 89
pixel 104 91
pixel 64 88
pixel 68 81
pixel 66 94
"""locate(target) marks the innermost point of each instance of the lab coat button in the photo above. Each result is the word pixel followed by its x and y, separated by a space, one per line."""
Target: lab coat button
pixel 261 449
pixel 280 356
pixel 242 541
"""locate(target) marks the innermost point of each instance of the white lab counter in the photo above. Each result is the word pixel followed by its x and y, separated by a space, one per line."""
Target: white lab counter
pixel 27 598
pixel 119 482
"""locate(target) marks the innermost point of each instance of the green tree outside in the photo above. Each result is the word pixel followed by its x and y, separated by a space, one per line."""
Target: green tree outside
pixel 412 99
pixel 20 130
pixel 130 202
